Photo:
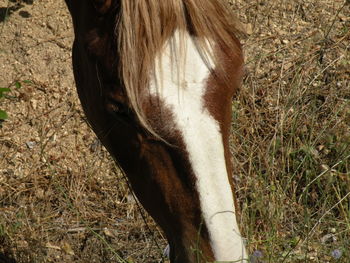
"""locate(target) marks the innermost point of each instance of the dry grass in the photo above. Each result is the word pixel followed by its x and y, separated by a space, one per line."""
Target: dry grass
pixel 291 139
pixel 63 200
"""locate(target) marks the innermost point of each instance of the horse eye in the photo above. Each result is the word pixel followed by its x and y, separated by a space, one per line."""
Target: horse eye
pixel 115 107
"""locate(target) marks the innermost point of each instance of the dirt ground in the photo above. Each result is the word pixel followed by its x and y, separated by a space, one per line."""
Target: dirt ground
pixel 69 200
pixel 62 199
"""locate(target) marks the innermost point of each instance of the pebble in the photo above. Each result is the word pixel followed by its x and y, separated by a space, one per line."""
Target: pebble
pixel 30 144
pixel 329 238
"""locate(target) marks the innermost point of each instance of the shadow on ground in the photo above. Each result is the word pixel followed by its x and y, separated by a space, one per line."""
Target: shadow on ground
pixel 5 259
pixel 16 5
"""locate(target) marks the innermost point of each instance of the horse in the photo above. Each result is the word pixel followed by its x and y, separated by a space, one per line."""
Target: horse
pixel 156 81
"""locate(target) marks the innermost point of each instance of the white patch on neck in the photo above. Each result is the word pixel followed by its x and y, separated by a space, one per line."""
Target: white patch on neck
pixel 203 140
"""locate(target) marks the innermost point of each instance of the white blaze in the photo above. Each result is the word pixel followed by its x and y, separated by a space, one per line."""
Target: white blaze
pixel 203 140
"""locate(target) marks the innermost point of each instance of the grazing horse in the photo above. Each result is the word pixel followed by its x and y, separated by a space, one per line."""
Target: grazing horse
pixel 156 79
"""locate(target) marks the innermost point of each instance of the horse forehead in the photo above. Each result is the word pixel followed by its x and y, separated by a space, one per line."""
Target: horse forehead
pixel 181 73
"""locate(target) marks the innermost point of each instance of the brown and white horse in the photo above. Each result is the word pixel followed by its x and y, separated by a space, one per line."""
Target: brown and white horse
pixel 156 79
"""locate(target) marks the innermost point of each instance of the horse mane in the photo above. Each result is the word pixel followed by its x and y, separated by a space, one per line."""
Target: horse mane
pixel 144 26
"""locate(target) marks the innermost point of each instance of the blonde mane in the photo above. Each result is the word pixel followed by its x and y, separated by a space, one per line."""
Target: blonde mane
pixel 145 25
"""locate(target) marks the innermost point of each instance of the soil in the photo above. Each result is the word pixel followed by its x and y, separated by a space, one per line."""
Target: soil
pixel 62 199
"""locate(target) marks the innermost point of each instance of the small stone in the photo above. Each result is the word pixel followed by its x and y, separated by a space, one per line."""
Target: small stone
pixel 131 199
pixel 108 232
pixel 337 253
pixel 329 238
pixel 31 144
pixel 95 145
pixel 67 248
pixel 320 147
pixel 34 104
pixel 343 18
pixel 22 244
pixel 248 28
pixel 166 251
pixel 256 256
